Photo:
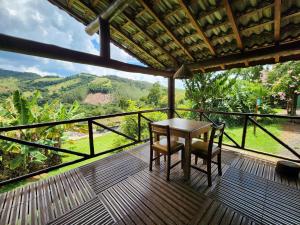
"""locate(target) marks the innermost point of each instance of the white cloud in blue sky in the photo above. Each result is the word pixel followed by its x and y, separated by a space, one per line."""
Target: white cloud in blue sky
pixel 41 21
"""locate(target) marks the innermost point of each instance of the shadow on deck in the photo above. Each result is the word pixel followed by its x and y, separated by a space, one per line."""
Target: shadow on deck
pixel 120 189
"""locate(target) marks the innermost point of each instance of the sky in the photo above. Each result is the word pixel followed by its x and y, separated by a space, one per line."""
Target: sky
pixel 41 21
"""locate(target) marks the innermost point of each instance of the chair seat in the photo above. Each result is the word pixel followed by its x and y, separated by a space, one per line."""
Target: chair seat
pixel 200 148
pixel 162 145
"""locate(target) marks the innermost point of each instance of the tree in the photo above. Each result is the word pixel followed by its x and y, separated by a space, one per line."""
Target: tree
pixel 206 90
pixel 154 95
pixel 284 81
pixel 19 159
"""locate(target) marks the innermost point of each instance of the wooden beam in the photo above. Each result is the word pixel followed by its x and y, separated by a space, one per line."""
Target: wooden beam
pixel 104 38
pixel 197 27
pixel 113 10
pixel 171 97
pixel 28 47
pixel 84 21
pixel 129 40
pixel 153 14
pixel 118 32
pixel 292 48
pixel 140 29
pixel 233 24
pixel 277 19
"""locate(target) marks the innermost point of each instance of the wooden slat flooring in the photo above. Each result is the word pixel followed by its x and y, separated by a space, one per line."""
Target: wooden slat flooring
pixel 264 169
pixel 112 170
pixel 45 200
pixel 261 199
pixel 121 189
pixel 91 212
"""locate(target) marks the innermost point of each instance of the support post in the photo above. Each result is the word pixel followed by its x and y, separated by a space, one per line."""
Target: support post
pixel 171 97
pixel 244 131
pixel 104 38
pixel 91 138
pixel 139 126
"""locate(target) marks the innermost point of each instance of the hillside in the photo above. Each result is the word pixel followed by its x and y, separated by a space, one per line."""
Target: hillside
pixel 82 87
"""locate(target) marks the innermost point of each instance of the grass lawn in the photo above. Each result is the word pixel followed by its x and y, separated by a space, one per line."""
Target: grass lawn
pixel 261 141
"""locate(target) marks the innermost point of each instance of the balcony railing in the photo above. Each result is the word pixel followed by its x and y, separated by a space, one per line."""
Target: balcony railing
pixel 140 115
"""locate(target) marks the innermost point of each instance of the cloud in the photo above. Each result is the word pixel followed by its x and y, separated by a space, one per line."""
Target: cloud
pixel 43 22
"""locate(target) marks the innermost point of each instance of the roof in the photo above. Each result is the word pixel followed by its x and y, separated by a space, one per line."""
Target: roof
pixel 163 34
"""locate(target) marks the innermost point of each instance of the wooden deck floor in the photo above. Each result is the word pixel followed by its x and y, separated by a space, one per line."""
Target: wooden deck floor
pixel 120 190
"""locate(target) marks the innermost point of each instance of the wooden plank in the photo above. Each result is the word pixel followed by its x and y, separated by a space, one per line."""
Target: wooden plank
pixel 277 20
pixel 19 45
pixel 168 31
pixel 197 27
pixel 91 212
pixel 233 23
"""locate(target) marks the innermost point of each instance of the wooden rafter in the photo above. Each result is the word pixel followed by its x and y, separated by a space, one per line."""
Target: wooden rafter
pixel 113 10
pixel 131 42
pixel 197 27
pixel 94 2
pixel 70 3
pixel 258 55
pixel 124 36
pixel 277 19
pixel 62 6
pixel 153 14
pixel 233 24
pixel 140 29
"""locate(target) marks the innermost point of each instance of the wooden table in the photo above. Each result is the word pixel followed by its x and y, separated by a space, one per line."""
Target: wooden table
pixel 187 129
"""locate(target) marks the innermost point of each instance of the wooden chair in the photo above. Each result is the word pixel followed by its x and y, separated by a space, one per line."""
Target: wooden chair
pixel 208 150
pixel 164 147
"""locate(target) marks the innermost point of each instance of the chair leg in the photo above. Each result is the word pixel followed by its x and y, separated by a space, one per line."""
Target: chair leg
pixel 165 157
pixel 209 173
pixel 219 165
pixel 151 159
pixel 196 160
pixel 168 167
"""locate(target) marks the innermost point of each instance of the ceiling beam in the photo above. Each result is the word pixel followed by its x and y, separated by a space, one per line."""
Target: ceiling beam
pixel 277 19
pixel 153 14
pixel 131 42
pixel 84 21
pixel 233 24
pixel 292 48
pixel 197 27
pixel 28 47
pixel 113 10
pixel 140 29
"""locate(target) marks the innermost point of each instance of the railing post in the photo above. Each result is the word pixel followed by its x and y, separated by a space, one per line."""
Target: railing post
pixel 139 126
pixel 201 115
pixel 91 138
pixel 244 132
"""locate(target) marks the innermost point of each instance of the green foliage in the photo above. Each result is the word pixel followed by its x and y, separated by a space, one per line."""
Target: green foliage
pixel 19 159
pixel 154 95
pixel 102 85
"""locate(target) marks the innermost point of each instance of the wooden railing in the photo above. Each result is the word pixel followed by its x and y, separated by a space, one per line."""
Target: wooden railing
pixel 92 121
pixel 248 118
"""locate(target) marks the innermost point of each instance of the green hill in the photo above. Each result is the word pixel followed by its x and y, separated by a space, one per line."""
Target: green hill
pixel 76 87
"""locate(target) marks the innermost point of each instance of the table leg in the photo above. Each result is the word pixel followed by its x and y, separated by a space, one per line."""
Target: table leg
pixel 156 154
pixel 187 154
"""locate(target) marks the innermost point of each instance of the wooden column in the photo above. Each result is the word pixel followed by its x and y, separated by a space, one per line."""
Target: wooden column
pixel 104 38
pixel 171 97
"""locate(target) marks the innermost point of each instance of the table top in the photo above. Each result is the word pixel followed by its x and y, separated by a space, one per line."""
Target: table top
pixel 184 124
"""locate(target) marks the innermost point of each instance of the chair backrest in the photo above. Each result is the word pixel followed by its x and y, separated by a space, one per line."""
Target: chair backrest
pixel 216 132
pixel 160 130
